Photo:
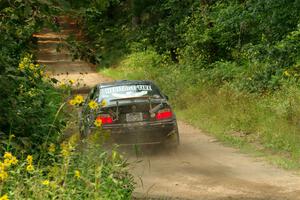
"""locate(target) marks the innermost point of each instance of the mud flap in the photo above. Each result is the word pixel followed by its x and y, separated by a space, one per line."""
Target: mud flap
pixel 173 140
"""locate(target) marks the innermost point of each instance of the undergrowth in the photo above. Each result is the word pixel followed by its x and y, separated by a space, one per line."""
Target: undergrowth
pixel 71 170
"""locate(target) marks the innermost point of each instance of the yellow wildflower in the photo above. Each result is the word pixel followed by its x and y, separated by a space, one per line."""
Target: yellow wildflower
pixel 71 81
pixel 51 148
pixel 3 175
pixel 7 155
pixel 103 103
pixel 2 166
pixel 77 174
pixel 29 168
pixel 93 105
pixel 78 99
pixel 45 182
pixel 31 66
pixel 7 162
pixel 286 73
pixel 72 102
pixel 14 160
pixel 98 122
pixel 21 66
pixel 4 197
pixel 65 150
pixel 29 159
pixel 62 85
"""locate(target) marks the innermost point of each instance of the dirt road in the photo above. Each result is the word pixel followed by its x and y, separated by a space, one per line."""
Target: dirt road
pixel 53 52
pixel 200 169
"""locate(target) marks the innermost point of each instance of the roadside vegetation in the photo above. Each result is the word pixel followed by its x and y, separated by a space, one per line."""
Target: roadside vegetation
pixel 37 160
pixel 230 67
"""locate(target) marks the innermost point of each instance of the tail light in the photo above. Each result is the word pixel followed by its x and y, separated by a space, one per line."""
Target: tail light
pixel 164 114
pixel 106 119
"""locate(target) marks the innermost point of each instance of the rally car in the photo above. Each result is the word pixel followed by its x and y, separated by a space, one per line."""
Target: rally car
pixel 133 112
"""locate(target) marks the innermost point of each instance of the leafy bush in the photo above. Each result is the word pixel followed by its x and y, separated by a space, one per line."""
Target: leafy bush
pixel 30 107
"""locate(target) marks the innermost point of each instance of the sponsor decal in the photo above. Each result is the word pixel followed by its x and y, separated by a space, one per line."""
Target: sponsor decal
pixel 126 88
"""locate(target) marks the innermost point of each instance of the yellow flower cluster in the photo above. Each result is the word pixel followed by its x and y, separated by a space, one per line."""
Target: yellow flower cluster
pixel 9 160
pixel 286 73
pixel 29 166
pixel 77 100
pixel 26 64
pixel 98 122
pixel 51 148
pixel 93 105
pixel 45 182
pixel 66 149
pixel 71 81
pixel 77 174
pixel 4 197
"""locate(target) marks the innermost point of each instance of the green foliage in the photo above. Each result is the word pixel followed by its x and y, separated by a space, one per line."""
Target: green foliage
pixel 28 103
pixel 259 38
pixel 101 21
pixel 70 173
pixel 29 107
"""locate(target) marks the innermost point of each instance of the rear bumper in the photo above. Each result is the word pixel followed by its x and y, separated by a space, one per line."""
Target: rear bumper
pixel 141 132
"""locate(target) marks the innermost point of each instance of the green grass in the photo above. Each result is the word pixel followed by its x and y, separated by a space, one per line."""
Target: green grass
pixel 262 125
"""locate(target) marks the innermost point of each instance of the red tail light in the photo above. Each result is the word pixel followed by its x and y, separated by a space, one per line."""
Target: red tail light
pixel 164 114
pixel 106 119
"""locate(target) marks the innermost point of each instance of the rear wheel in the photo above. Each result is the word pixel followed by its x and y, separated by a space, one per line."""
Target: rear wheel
pixel 173 140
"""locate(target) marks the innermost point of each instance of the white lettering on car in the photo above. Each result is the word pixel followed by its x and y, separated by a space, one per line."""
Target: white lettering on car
pixel 132 88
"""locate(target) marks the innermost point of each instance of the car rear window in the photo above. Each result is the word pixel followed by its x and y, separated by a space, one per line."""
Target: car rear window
pixel 128 91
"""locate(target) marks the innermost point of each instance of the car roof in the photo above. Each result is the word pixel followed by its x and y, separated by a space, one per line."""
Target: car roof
pixel 124 82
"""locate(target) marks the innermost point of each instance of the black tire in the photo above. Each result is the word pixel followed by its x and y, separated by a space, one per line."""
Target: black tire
pixel 173 141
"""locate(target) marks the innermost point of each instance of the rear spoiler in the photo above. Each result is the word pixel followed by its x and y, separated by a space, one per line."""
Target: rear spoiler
pixel 152 110
pixel 128 98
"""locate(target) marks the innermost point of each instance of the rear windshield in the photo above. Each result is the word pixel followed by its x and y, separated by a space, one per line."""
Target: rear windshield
pixel 128 91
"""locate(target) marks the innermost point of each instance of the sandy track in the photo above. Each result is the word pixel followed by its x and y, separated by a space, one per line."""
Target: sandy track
pixel 200 169
pixel 204 169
